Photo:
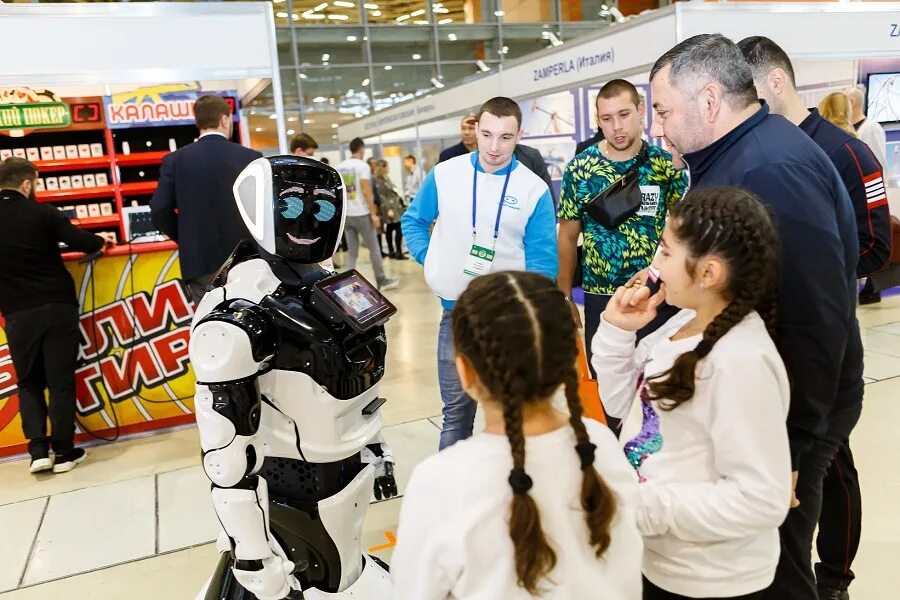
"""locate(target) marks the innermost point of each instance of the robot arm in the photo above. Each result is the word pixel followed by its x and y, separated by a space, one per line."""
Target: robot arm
pixel 229 347
pixel 378 453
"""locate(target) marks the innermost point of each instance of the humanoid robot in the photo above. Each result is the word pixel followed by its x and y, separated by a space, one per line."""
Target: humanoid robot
pixel 288 358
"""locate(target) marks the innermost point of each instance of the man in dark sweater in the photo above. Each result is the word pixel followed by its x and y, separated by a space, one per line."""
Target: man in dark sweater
pixel 704 96
pixel 194 203
pixel 37 299
pixel 840 522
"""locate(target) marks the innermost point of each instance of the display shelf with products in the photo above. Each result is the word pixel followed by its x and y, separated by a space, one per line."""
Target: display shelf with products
pixel 140 158
pixel 107 191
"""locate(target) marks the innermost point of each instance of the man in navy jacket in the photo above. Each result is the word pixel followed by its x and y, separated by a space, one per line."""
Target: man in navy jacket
pixel 773 74
pixel 706 101
pixel 194 203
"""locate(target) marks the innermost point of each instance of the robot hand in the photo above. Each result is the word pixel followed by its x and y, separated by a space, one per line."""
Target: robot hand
pixel 382 458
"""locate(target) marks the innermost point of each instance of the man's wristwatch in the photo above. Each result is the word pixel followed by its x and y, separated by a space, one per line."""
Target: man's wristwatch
pixel 569 299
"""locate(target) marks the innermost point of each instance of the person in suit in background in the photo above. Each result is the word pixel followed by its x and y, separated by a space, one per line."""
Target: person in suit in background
pixel 194 204
pixel 530 157
pixel 304 144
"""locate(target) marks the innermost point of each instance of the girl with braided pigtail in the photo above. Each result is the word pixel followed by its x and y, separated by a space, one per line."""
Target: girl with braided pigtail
pixel 541 503
pixel 712 450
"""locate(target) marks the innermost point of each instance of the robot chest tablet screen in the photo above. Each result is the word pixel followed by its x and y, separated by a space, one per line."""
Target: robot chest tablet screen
pixel 353 299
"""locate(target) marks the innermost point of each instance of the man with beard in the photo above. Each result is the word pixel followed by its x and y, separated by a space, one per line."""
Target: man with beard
pixel 612 256
pixel 38 302
pixel 706 102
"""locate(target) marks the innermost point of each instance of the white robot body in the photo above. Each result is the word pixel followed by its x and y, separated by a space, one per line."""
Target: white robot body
pixel 287 407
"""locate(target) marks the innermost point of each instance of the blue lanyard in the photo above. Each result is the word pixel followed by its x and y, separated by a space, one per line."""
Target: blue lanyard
pixel 499 208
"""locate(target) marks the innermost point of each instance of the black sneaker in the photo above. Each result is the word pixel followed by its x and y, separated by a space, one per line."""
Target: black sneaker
pixel 833 594
pixel 866 297
pixel 66 462
pixel 41 464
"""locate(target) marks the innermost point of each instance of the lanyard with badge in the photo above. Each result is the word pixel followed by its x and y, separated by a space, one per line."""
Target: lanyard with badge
pixel 480 258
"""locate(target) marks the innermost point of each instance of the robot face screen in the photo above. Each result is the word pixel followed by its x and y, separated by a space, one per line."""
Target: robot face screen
pixel 308 207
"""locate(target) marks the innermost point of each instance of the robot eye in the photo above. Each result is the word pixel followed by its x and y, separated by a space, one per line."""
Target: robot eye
pixel 291 207
pixel 326 211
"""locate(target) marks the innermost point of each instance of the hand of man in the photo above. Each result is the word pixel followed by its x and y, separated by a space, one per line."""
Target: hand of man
pixel 795 502
pixel 390 215
pixel 576 315
pixel 376 221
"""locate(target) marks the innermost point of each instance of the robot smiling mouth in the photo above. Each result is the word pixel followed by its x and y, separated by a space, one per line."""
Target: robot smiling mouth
pixel 302 242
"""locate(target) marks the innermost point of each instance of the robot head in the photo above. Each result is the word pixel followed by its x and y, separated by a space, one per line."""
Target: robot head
pixel 293 207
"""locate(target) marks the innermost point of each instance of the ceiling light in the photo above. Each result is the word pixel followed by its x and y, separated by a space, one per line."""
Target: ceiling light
pixel 334 125
pixel 351 38
pixel 370 6
pixel 482 65
pixel 273 116
pixel 314 16
pixel 277 1
pixel 376 13
pixel 295 16
pixel 303 76
pixel 321 6
pixel 421 23
pixel 281 15
pixel 402 18
pixel 416 13
pixel 388 67
pixel 320 99
pixel 334 137
pixel 325 57
pixel 365 82
pixel 331 101
pixel 252 112
pixel 499 13
pixel 440 10
pixel 338 17
pixel 451 37
pixel 291 119
pixel 259 130
pixel 445 21
pixel 308 121
pixel 416 56
pixel 343 4
pixel 291 131
pixel 436 82
pixel 504 50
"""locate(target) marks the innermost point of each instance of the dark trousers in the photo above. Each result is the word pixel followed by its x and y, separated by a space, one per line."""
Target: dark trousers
pixel 794 578
pixel 594 305
pixel 43 345
pixel 840 522
pixel 652 592
pixel 394 238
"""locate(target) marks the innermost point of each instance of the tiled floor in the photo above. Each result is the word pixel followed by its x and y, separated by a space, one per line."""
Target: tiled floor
pixel 134 521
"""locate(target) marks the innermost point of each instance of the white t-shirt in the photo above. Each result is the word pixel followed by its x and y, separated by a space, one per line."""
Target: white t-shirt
pixel 453 537
pixel 353 171
pixel 872 133
pixel 716 471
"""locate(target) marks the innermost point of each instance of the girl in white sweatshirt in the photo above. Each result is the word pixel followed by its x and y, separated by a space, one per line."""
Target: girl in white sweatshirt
pixel 540 503
pixel 712 452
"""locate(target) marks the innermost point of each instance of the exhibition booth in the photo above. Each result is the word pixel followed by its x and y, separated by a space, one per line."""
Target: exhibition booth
pixel 103 94
pixel 849 44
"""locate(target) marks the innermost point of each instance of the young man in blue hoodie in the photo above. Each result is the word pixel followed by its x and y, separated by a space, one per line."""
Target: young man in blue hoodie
pixel 490 214
pixel 706 101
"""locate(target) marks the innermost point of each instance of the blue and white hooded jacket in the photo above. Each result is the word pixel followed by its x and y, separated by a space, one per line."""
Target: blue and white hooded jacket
pixel 527 239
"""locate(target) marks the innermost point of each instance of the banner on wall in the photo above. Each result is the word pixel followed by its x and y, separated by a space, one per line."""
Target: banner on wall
pixel 160 105
pixel 133 369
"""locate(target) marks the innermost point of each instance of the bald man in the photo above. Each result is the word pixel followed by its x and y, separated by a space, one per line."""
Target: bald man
pixel 868 130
